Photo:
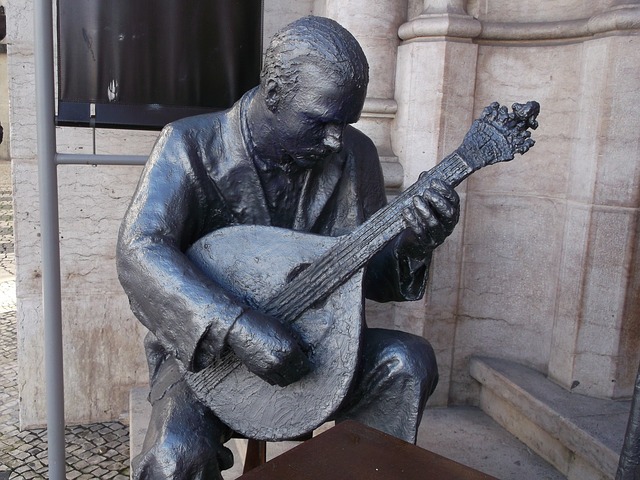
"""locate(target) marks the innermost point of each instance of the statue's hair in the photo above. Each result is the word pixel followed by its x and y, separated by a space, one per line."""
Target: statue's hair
pixel 316 40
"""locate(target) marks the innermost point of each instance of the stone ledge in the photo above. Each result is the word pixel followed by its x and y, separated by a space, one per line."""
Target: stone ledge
pixel 430 25
pixel 581 436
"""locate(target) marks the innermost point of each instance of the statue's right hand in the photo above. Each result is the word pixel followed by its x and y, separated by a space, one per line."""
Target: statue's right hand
pixel 267 348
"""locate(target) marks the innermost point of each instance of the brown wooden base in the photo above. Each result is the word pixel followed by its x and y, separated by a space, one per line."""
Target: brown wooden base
pixel 356 452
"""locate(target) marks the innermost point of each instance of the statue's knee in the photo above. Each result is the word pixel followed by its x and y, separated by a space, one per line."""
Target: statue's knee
pixel 425 366
pixel 413 356
pixel 413 351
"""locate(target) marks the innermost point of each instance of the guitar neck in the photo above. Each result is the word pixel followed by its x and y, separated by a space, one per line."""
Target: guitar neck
pixel 354 250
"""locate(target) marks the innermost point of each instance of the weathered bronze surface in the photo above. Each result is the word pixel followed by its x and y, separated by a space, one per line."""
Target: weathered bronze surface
pixel 248 247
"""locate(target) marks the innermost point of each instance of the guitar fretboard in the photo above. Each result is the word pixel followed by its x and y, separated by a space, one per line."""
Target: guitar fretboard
pixel 353 251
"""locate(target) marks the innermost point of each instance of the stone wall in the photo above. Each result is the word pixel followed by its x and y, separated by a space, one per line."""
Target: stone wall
pixel 543 267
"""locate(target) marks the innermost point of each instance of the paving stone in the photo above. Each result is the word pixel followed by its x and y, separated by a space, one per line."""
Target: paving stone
pixel 81 464
pixel 100 472
pixel 23 454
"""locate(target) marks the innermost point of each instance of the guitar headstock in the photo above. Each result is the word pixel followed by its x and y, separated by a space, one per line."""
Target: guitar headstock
pixel 499 134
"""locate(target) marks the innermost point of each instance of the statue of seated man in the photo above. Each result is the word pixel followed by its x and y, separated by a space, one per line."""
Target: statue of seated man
pixel 284 155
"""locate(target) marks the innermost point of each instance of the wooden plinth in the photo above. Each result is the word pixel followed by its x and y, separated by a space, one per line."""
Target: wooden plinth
pixel 356 452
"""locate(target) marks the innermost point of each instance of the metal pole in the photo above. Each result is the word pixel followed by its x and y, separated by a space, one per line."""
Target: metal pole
pixel 51 291
pixel 629 465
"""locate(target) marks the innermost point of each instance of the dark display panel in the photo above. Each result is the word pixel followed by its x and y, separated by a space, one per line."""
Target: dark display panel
pixel 144 63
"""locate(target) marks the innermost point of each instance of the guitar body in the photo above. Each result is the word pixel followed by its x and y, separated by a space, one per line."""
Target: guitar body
pixel 254 262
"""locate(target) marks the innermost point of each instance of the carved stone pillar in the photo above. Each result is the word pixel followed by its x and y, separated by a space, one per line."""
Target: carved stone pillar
pixel 375 25
pixel 435 80
pixel 445 6
pixel 596 339
pixel 441 18
pixel 435 84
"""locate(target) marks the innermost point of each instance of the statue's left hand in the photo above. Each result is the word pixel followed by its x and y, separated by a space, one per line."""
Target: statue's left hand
pixel 431 218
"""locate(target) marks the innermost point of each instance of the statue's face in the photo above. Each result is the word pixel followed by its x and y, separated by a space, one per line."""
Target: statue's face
pixel 312 120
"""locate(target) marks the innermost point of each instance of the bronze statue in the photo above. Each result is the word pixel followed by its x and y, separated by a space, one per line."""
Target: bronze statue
pixel 248 246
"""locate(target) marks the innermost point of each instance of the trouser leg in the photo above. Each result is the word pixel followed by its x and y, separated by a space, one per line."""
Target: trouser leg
pixel 184 439
pixel 398 372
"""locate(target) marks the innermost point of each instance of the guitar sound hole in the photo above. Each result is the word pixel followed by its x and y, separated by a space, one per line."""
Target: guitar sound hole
pixel 297 271
pixel 320 303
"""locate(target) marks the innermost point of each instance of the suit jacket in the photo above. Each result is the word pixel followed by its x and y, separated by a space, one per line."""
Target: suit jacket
pixel 201 177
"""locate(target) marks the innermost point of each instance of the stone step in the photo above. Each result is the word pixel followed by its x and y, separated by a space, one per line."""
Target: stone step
pixel 581 436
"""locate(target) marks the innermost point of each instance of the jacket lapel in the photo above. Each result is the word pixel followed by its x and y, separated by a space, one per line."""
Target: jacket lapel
pixel 319 185
pixel 234 174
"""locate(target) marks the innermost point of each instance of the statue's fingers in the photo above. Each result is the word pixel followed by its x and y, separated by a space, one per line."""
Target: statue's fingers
pixel 432 210
pixel 436 225
pixel 447 192
pixel 448 209
pixel 412 222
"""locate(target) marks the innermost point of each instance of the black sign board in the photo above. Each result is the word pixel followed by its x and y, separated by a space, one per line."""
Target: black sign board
pixel 143 63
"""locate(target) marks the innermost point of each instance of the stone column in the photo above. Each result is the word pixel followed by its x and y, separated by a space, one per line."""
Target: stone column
pixel 435 80
pixel 435 83
pixel 596 334
pixel 375 25
pixel 444 6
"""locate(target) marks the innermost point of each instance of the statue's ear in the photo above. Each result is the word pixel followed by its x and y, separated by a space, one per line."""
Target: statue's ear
pixel 272 94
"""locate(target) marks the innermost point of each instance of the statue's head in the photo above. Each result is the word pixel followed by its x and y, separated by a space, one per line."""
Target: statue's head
pixel 314 80
pixel 317 41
